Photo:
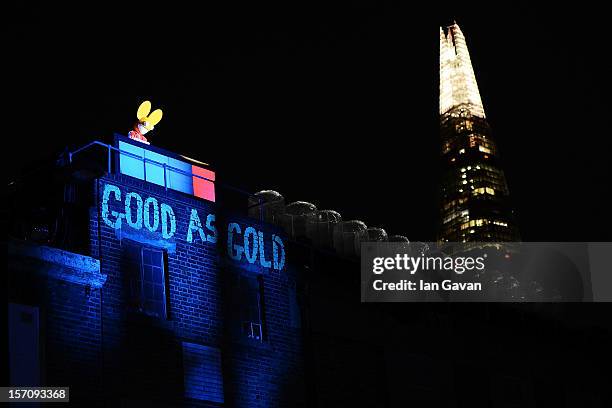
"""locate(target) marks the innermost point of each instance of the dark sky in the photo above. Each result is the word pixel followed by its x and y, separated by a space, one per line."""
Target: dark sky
pixel 333 105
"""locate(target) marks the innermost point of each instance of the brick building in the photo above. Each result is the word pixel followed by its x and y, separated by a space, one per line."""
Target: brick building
pixel 137 279
pixel 144 301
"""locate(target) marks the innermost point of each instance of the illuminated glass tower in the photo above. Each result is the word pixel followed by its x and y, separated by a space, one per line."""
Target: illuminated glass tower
pixel 474 197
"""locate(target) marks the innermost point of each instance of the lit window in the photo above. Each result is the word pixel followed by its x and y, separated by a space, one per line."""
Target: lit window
pixel 446 148
pixel 450 217
pixel 483 190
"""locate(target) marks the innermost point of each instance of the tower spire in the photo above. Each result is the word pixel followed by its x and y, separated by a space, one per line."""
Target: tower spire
pixel 458 86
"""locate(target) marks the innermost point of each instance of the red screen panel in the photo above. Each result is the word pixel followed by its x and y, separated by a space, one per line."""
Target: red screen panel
pixel 203 188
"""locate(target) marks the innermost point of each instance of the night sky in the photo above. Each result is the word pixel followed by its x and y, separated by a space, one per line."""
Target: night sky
pixel 336 106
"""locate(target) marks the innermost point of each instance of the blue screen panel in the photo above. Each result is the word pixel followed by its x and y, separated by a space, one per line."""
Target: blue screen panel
pixel 154 167
pixel 179 181
pixel 129 165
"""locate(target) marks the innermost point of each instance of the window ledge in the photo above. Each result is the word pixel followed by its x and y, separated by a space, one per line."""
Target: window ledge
pixel 136 316
pixel 245 343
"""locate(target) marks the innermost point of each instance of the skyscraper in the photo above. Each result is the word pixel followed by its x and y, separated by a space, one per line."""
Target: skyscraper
pixel 474 194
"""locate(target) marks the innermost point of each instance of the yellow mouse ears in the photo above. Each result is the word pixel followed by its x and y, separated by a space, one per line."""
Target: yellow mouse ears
pixel 149 121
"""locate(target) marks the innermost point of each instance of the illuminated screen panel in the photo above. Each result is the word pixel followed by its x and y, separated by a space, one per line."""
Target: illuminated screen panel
pixel 154 171
pixel 131 166
pixel 180 175
pixel 180 179
pixel 204 188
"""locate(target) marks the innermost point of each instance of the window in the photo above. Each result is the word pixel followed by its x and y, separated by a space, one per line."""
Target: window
pixel 144 269
pixel 24 345
pixel 474 223
pixel 484 190
pixel 248 302
pixel 202 373
pixel 295 318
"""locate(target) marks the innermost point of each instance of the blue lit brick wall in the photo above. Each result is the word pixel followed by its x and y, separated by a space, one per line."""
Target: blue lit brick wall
pixel 69 332
pixel 72 332
pixel 143 356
